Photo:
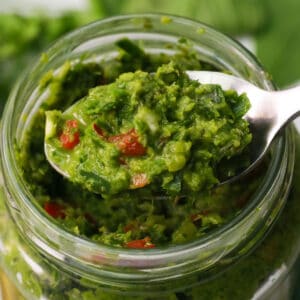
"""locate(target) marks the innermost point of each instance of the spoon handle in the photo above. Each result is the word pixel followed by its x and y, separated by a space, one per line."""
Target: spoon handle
pixel 285 106
pixel 270 111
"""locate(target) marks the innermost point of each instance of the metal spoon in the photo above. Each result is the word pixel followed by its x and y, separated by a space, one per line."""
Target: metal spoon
pixel 269 112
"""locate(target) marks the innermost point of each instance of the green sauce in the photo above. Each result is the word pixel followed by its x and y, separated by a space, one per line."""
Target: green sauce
pixel 139 128
pixel 158 132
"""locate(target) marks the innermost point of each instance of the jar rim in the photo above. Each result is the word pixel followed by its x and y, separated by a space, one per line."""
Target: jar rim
pixel 126 256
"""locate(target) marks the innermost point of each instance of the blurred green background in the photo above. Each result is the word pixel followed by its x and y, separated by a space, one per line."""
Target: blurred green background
pixel 272 25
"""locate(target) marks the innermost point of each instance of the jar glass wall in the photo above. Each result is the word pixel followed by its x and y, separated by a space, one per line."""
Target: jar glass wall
pixel 47 262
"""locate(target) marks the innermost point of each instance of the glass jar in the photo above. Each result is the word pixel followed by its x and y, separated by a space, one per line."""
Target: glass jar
pixel 252 257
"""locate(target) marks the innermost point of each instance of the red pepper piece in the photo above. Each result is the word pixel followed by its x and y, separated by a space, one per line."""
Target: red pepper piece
pixel 128 143
pixel 69 141
pixel 144 243
pixel 70 135
pixel 72 124
pixel 99 131
pixel 55 210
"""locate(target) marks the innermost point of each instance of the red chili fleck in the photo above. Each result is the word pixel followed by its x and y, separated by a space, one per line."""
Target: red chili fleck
pixel 69 138
pixel 98 130
pixel 69 141
pixel 55 210
pixel 144 243
pixel 128 143
pixel 139 181
pixel 199 216
pixel 72 124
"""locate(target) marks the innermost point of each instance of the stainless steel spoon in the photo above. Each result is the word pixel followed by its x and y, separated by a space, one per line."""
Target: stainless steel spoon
pixel 269 112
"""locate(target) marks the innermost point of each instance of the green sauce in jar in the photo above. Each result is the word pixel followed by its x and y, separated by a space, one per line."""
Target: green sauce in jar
pixel 132 139
pixel 221 247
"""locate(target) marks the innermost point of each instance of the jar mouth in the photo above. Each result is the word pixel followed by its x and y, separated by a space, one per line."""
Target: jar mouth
pixel 54 240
